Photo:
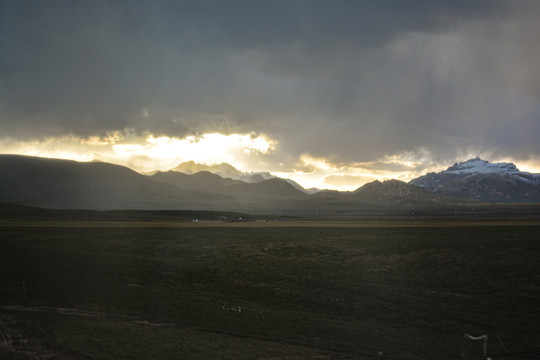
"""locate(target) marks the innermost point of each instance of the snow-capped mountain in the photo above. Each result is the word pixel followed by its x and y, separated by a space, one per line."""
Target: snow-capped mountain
pixel 481 180
pixel 224 170
pixel 228 171
pixel 479 166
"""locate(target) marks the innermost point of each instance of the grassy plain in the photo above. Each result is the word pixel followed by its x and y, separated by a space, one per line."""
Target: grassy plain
pixel 289 290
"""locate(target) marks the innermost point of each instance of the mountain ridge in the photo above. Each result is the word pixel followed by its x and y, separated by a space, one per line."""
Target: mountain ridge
pixel 481 180
pixel 59 183
pixel 224 170
pixel 56 183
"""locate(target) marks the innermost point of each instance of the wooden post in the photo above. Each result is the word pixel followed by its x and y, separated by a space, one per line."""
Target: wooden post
pixel 24 292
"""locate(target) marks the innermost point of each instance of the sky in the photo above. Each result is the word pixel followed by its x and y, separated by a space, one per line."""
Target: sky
pixel 332 94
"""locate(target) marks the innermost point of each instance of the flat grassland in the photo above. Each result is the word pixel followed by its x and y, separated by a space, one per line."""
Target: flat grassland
pixel 294 290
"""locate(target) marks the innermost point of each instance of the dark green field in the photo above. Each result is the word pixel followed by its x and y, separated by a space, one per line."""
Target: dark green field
pixel 261 291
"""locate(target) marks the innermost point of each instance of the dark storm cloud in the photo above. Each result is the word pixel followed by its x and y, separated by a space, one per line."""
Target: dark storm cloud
pixel 317 23
pixel 350 80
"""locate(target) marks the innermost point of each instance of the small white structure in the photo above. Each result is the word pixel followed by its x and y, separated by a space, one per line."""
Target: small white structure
pixel 469 337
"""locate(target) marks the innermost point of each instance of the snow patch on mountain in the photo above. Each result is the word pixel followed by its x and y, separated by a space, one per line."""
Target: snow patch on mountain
pixel 228 171
pixel 479 166
pixel 478 179
pixel 224 170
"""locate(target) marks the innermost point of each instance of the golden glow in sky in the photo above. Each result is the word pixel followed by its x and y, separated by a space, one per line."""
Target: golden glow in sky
pixel 333 98
pixel 247 152
pixel 325 174
pixel 148 152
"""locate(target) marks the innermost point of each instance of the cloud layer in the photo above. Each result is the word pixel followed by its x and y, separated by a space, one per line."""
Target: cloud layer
pixel 348 81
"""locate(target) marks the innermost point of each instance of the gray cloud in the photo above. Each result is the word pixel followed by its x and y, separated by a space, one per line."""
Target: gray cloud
pixel 348 80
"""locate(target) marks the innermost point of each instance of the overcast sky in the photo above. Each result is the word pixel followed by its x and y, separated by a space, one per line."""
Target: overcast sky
pixel 339 91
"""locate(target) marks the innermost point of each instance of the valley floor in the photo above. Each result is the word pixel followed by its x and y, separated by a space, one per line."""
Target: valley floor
pixel 286 288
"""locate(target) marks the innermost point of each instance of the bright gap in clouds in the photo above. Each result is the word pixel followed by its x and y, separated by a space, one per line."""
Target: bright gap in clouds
pixel 246 152
pixel 323 173
pixel 148 152
pixel 164 152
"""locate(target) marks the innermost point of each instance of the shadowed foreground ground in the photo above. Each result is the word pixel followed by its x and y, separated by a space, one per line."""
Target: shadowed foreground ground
pixel 268 291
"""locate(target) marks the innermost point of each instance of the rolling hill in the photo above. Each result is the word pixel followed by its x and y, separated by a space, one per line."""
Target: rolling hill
pixel 63 184
pixel 58 183
pixel 397 193
pixel 203 180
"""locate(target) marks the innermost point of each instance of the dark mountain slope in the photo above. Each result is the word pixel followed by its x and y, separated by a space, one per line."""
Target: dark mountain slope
pixel 490 187
pixel 272 189
pixel 69 184
pixel 54 183
pixel 267 190
pixel 395 192
pixel 202 180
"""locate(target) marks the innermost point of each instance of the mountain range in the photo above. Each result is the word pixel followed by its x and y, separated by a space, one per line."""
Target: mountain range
pixel 228 171
pixel 481 180
pixel 224 170
pixel 55 183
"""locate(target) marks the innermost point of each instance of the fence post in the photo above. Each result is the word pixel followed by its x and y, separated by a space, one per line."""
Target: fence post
pixel 24 292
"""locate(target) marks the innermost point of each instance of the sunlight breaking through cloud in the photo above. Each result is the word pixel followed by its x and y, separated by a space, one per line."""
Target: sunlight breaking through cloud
pixel 147 152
